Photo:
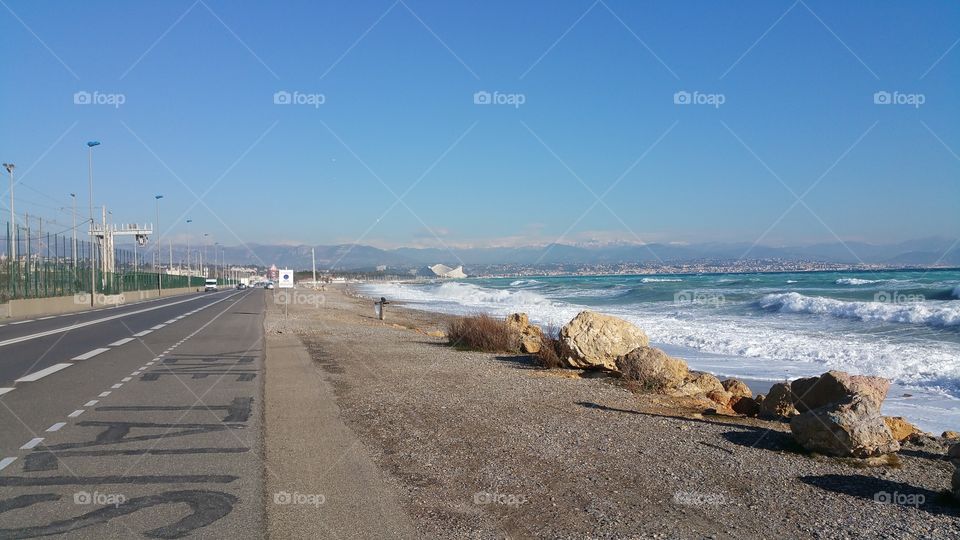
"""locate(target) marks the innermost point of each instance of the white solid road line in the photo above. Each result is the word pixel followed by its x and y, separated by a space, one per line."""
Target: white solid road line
pixel 6 461
pixel 141 334
pixel 120 342
pixel 37 375
pixel 97 321
pixel 33 442
pixel 5 390
pixel 75 413
pixel 90 354
pixel 57 426
pixel 157 327
pixel 171 321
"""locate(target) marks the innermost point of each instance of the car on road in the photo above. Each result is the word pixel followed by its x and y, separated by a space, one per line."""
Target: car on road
pixel 210 285
pixel 241 286
pixel 269 285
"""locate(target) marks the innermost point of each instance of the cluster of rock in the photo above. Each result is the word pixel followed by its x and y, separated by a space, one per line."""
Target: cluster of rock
pixel 529 335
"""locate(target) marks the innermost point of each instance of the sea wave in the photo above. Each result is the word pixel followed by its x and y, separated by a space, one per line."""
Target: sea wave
pixel 659 280
pixel 792 281
pixel 956 291
pixel 927 313
pixel 524 283
pixel 857 281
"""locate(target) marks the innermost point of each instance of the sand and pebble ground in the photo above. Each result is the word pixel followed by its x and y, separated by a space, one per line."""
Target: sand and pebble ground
pixel 478 445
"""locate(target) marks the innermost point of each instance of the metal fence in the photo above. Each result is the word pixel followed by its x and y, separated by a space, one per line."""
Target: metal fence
pixel 36 264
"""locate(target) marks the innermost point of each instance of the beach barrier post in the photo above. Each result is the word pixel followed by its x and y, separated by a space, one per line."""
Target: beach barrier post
pixel 378 307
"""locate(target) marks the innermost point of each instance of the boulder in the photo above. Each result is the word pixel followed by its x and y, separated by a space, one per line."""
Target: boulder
pixel 720 397
pixel 698 383
pixel 900 428
pixel 531 336
pixel 593 340
pixel 836 386
pixel 778 403
pixel 652 369
pixel 745 405
pixel 737 388
pixel 853 428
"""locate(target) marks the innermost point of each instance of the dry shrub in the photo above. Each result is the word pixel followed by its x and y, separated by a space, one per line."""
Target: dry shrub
pixel 483 333
pixel 549 354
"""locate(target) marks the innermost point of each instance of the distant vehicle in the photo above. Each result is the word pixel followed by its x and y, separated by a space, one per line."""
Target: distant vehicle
pixel 241 286
pixel 269 285
pixel 210 285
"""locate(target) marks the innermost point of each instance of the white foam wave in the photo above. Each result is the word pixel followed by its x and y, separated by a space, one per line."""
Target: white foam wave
pixel 659 280
pixel 927 313
pixel 524 283
pixel 857 281
pixel 792 281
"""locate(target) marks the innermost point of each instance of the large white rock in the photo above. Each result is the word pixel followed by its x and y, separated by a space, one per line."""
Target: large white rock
pixel 594 340
pixel 853 428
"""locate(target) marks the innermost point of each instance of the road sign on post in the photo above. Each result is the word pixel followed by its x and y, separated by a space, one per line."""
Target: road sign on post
pixel 286 279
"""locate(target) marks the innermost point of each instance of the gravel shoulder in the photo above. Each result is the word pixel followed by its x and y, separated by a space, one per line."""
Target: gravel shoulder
pixel 475 445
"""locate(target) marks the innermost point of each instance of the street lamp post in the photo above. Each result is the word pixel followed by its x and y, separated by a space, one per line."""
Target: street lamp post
pixel 13 220
pixel 93 267
pixel 189 275
pixel 73 248
pixel 157 267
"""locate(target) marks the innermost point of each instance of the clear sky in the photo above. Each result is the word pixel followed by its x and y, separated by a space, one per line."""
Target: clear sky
pixel 787 110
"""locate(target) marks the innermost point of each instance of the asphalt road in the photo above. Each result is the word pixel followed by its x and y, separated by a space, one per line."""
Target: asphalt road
pixel 137 421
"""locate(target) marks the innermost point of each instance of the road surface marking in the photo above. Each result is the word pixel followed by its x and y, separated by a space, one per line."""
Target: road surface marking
pixel 157 327
pixel 33 442
pixel 90 354
pixel 150 363
pixel 45 318
pixel 6 461
pixel 118 385
pixel 75 413
pixel 171 321
pixel 120 342
pixel 96 321
pixel 104 394
pixel 141 334
pixel 91 403
pixel 126 379
pixel 37 375
pixel 5 390
pixel 57 426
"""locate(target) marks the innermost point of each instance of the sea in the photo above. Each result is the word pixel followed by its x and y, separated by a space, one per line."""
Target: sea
pixel 763 327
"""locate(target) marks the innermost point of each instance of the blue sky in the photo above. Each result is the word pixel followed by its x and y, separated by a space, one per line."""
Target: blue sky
pixel 398 119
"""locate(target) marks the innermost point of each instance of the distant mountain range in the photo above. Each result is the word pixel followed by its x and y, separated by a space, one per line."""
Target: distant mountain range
pixel 928 251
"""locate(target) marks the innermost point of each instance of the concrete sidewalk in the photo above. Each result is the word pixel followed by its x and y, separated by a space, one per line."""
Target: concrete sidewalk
pixel 320 480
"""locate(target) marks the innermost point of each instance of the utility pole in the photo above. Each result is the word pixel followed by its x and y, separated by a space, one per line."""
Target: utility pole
pixel 313 264
pixel 73 249
pixel 159 275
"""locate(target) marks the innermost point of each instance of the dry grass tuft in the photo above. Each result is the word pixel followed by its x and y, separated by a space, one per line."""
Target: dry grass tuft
pixel 483 333
pixel 549 354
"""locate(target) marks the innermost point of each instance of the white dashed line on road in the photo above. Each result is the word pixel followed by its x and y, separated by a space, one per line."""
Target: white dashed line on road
pixel 141 334
pixel 37 375
pixel 120 342
pixel 91 403
pixel 118 385
pixel 75 413
pixel 104 394
pixel 57 426
pixel 6 461
pixel 90 354
pixel 171 321
pixel 157 327
pixel 126 379
pixel 33 442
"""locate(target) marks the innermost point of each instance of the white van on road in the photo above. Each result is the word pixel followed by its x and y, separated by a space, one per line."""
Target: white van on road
pixel 211 285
